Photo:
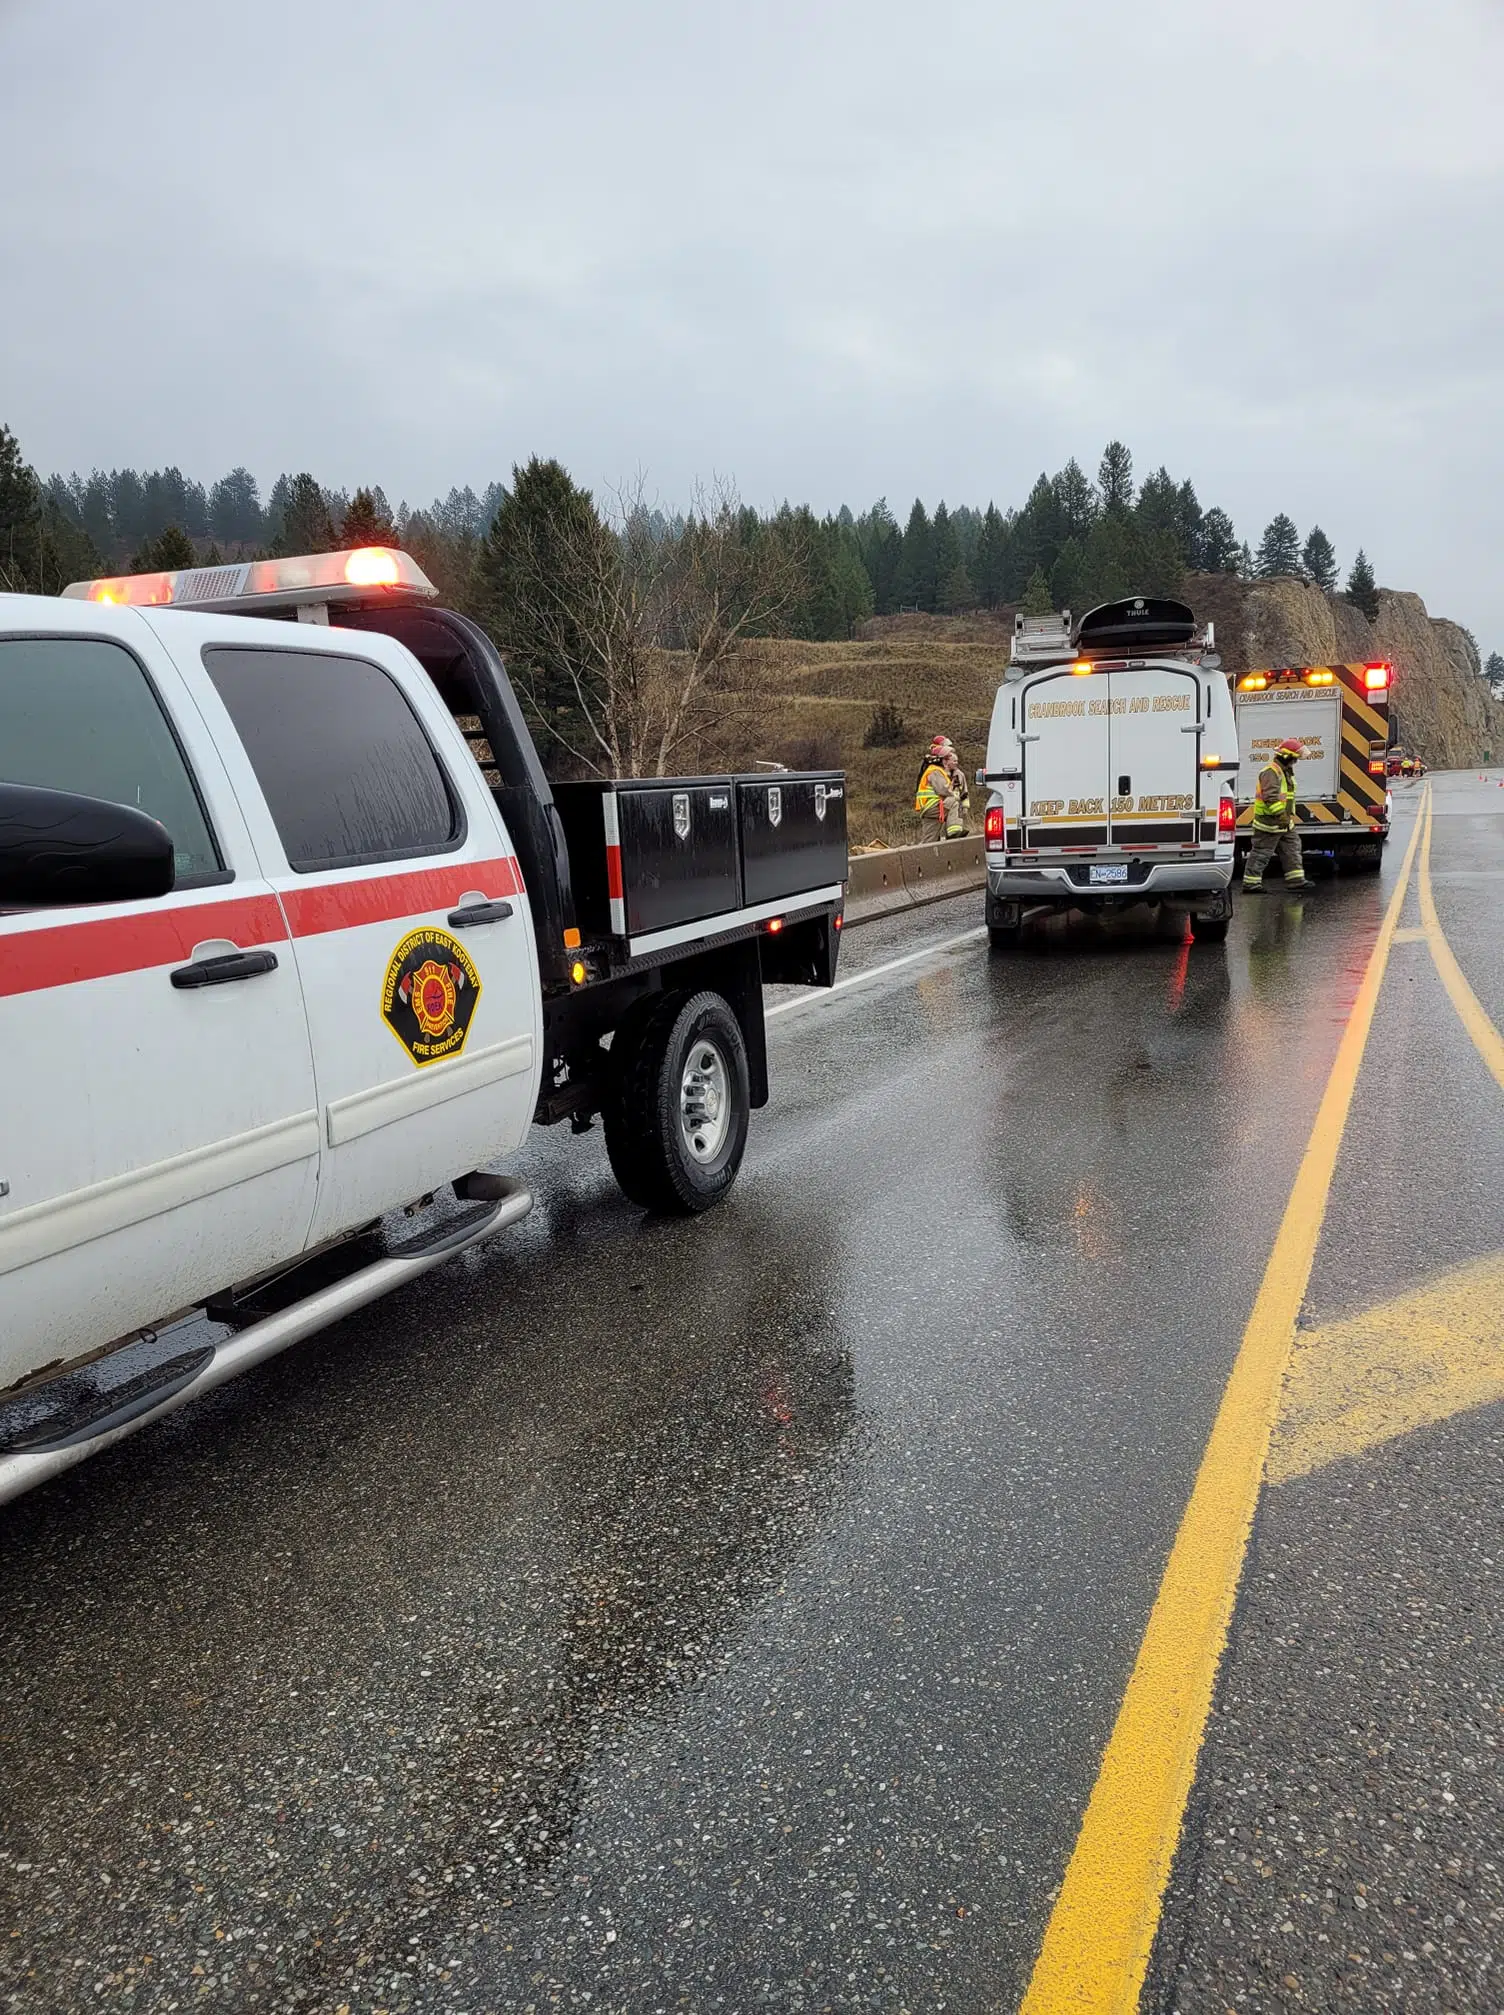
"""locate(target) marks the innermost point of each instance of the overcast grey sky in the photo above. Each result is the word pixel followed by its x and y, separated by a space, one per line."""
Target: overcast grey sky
pixel 833 251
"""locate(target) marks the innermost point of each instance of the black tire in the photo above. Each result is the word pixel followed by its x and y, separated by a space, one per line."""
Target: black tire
pixel 1210 930
pixel 649 1113
pixel 1005 937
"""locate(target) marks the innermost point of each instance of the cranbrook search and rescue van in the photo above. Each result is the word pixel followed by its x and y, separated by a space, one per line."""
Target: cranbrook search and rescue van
pixel 1111 761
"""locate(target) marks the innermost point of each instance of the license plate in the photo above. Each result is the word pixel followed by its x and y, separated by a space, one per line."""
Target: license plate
pixel 1109 874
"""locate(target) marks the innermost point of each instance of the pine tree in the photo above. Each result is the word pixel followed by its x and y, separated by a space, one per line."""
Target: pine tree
pixel 1219 543
pixel 1038 533
pixel 1038 600
pixel 1158 506
pixel 1115 478
pixel 1067 576
pixel 235 509
pixel 1190 525
pixel 1279 550
pixel 1318 561
pixel 20 518
pixel 307 526
pixel 1493 671
pixel 1244 567
pixel 947 551
pixel 1362 590
pixel 533 574
pixel 368 522
pixel 881 546
pixel 1076 501
pixel 914 586
pixel 955 592
pixel 991 558
pixel 128 507
pixel 170 550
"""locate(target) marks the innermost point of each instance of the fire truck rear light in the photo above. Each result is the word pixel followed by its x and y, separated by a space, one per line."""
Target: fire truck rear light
pixel 1227 817
pixel 1320 678
pixel 994 829
pixel 1376 769
pixel 1376 677
pixel 775 925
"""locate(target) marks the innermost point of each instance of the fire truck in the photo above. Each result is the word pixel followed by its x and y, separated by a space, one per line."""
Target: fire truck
pixel 1340 713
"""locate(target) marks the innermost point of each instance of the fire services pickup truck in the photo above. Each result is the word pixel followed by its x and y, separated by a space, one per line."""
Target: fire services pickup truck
pixel 295 933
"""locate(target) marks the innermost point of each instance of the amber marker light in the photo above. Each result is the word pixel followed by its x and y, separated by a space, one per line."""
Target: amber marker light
pixel 1254 683
pixel 577 972
pixel 1082 668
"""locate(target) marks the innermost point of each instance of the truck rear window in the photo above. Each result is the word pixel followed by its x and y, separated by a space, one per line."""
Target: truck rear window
pixel 339 754
pixel 79 714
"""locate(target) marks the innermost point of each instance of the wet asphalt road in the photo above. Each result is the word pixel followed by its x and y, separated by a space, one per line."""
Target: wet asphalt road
pixel 643 1615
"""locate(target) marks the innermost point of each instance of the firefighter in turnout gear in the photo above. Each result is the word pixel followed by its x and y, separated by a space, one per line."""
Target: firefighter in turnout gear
pixel 1274 820
pixel 940 794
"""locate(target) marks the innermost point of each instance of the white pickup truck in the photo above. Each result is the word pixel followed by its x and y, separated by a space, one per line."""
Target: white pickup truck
pixel 294 933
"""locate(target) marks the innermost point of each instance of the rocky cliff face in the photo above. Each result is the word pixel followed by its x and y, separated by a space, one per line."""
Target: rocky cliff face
pixel 1442 708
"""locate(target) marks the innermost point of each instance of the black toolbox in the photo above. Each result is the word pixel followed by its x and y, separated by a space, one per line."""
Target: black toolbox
pixel 678 860
pixel 793 832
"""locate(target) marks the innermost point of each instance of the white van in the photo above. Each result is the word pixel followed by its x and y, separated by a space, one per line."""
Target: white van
pixel 1112 767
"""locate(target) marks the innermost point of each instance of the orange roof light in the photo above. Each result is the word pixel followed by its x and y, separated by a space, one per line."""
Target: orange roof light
pixel 372 567
pixel 1254 683
pixel 256 587
pixel 1320 677
pixel 1081 667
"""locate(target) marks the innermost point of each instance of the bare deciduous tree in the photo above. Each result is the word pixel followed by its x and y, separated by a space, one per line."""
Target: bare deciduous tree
pixel 622 636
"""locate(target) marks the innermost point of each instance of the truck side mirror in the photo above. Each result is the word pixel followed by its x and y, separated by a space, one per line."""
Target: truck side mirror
pixel 57 849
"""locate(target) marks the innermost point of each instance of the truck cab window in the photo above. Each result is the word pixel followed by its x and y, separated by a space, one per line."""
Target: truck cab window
pixel 79 714
pixel 345 766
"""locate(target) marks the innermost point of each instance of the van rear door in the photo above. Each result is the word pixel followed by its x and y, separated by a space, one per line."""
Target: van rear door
pixel 1155 750
pixel 1063 729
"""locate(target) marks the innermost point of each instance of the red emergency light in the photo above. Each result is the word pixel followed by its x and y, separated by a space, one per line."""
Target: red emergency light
pixel 1376 677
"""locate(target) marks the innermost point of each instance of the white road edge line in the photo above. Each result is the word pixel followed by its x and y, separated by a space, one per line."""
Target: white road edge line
pixel 816 995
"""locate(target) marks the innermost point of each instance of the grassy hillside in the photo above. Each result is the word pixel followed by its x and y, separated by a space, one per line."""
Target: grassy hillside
pixel 809 705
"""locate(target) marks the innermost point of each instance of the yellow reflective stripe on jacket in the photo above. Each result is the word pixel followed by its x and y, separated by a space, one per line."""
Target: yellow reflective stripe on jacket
pixel 926 797
pixel 1275 814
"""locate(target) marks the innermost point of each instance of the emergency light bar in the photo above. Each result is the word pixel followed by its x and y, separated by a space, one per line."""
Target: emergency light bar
pixel 258 587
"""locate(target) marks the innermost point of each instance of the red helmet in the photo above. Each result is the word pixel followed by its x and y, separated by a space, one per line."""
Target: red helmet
pixel 941 745
pixel 1290 746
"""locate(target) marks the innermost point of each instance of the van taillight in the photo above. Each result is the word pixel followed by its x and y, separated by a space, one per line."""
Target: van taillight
pixel 1227 818
pixel 995 833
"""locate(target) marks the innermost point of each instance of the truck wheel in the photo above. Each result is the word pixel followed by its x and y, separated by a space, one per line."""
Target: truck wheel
pixel 676 1120
pixel 1004 937
pixel 1209 930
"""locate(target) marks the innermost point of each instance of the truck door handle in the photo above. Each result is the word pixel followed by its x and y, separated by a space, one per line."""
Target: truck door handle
pixel 223 967
pixel 1125 787
pixel 479 913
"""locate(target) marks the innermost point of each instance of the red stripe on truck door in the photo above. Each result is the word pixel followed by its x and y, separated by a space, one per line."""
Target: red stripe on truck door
pixel 340 906
pixel 59 955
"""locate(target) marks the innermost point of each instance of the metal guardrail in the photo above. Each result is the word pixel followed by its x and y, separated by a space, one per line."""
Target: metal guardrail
pixel 901 878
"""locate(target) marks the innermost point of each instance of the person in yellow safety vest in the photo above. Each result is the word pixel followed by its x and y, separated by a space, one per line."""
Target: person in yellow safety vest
pixel 940 794
pixel 1274 820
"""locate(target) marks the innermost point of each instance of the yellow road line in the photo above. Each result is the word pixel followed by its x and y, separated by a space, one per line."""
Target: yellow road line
pixel 1489 1043
pixel 1096 1944
pixel 1362 1381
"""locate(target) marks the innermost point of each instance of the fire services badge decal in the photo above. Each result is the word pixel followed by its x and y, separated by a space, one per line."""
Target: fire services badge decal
pixel 428 996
